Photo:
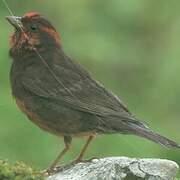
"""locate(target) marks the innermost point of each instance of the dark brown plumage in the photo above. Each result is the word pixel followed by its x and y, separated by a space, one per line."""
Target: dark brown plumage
pixel 60 96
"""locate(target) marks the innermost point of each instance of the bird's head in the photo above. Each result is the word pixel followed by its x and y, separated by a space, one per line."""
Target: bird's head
pixel 32 31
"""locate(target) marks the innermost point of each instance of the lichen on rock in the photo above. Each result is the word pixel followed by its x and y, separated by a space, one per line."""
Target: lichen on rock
pixel 120 168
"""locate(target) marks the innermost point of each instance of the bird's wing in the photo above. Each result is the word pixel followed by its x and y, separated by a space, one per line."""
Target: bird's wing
pixel 70 83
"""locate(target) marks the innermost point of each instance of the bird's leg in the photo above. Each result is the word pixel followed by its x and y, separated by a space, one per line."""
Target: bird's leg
pixel 79 159
pixel 67 142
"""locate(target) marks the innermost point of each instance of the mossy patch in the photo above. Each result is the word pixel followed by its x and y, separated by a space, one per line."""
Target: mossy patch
pixel 18 171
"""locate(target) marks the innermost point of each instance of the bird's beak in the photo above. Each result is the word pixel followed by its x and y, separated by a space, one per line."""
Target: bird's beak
pixel 15 21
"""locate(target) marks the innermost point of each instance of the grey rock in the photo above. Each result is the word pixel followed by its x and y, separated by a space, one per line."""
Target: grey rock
pixel 120 168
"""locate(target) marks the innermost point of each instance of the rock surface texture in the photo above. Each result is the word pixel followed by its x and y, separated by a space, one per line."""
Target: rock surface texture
pixel 120 168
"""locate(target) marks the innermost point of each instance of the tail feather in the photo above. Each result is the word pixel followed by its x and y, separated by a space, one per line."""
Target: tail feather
pixel 139 128
pixel 157 138
pixel 128 125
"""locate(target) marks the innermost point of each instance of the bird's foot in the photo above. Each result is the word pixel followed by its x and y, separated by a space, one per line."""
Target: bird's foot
pixel 79 160
pixel 51 170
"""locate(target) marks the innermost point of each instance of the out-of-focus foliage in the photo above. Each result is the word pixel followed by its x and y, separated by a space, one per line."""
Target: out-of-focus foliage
pixel 132 47
pixel 18 171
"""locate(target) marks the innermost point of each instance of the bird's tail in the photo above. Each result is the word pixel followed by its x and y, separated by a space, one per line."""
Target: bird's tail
pixel 129 125
pixel 155 137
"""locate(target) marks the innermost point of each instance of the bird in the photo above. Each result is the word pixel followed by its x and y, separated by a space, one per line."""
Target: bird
pixel 59 95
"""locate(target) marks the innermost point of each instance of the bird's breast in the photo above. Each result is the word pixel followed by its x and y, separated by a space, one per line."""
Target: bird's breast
pixel 32 116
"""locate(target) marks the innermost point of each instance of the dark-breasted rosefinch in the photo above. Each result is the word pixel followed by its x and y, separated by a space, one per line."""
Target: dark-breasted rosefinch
pixel 59 95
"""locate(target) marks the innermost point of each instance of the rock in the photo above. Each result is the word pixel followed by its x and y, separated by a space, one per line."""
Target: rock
pixel 120 168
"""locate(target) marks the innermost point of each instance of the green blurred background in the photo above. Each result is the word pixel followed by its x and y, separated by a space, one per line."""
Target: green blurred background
pixel 132 47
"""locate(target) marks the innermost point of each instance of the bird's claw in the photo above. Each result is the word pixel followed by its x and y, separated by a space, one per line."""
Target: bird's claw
pixel 51 171
pixel 78 160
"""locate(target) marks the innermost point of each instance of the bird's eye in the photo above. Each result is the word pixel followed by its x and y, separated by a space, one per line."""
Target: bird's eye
pixel 33 27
